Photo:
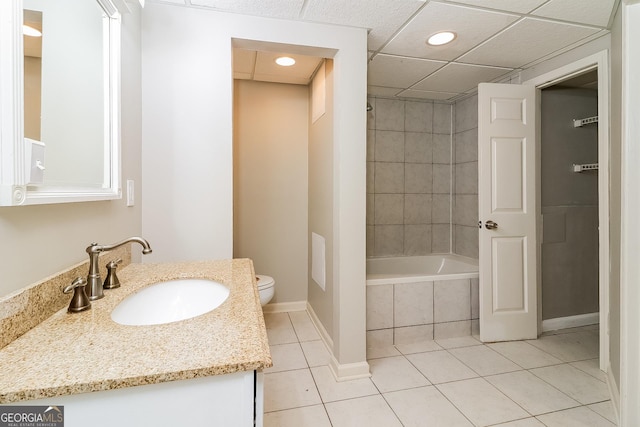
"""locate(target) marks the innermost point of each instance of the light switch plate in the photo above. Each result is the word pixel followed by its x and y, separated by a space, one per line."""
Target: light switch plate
pixel 130 193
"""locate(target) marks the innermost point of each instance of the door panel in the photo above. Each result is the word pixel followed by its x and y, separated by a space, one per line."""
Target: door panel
pixel 507 196
pixel 509 271
pixel 507 174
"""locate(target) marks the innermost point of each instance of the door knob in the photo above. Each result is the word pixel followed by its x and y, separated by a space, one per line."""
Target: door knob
pixel 490 225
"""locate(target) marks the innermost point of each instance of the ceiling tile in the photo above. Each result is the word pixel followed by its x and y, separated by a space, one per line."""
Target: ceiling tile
pixel 302 70
pixel 420 94
pixel 398 71
pixel 473 26
pixel 494 37
pixel 382 91
pixel 382 17
pixel 270 8
pixel 525 42
pixel 594 12
pixel 519 6
pixel 459 78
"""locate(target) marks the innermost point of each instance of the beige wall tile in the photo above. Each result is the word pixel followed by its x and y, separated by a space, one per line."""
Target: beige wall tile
pixel 418 147
pixel 389 209
pixel 412 334
pixel 417 208
pixel 389 178
pixel 412 304
pixel 417 178
pixel 451 329
pixel 388 240
pixel 379 307
pixel 389 146
pixel 451 300
pixel 418 116
pixel 417 239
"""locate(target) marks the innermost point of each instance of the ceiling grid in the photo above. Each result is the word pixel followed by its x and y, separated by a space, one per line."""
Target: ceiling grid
pixel 495 39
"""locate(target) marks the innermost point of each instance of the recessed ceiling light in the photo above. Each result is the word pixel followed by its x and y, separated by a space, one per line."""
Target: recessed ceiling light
pixel 443 37
pixel 30 31
pixel 285 61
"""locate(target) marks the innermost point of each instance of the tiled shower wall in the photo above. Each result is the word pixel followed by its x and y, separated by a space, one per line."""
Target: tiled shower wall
pixel 465 193
pixel 408 178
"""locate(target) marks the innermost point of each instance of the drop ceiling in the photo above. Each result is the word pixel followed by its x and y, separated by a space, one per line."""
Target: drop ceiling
pixel 495 38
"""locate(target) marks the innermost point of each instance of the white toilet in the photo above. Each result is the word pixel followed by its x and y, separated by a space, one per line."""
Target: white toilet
pixel 266 288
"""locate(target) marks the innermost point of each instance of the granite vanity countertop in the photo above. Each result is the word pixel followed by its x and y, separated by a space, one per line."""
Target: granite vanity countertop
pixel 85 352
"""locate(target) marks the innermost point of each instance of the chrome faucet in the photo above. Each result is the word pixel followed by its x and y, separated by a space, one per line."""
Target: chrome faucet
pixel 94 283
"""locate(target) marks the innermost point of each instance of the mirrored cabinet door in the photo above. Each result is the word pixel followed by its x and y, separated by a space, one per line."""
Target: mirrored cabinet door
pixel 60 139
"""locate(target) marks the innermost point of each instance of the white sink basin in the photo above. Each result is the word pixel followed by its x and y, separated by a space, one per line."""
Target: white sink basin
pixel 170 301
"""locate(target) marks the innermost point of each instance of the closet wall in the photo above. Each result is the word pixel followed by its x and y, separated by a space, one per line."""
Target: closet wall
pixel 569 203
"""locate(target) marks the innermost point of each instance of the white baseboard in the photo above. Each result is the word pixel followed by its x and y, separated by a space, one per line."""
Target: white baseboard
pixel 324 335
pixel 349 371
pixel 341 372
pixel 614 393
pixel 570 322
pixel 281 307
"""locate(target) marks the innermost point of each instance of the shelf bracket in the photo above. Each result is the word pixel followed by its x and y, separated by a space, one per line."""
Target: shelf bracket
pixel 585 167
pixel 577 123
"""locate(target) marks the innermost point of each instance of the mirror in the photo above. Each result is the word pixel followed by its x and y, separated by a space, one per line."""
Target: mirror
pixel 60 135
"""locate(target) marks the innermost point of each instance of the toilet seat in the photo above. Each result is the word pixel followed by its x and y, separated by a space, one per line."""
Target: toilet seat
pixel 266 288
pixel 264 282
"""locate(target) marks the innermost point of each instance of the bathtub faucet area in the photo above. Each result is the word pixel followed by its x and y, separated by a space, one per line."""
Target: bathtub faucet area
pixel 94 282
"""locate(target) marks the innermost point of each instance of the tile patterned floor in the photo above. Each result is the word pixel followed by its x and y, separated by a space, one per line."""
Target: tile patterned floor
pixel 553 381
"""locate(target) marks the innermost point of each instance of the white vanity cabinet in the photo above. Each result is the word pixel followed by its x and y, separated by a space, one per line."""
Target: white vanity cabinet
pixel 232 400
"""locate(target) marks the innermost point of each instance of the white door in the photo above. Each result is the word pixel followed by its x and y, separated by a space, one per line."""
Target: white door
pixel 507 211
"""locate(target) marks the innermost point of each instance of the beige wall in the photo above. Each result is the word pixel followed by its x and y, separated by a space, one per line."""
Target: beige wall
pixel 321 183
pixel 188 143
pixel 270 183
pixel 38 241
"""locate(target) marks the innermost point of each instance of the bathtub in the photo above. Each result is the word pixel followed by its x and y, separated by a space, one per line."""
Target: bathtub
pixel 418 298
pixel 409 269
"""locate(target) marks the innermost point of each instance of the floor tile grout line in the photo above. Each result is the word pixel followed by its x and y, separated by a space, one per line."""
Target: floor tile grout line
pixel 391 407
pixel 287 370
pixel 418 369
pixel 479 374
pixel 588 373
pixel 551 354
pixel 588 407
pixel 430 384
pixel 542 379
pixel 293 327
pixel 296 407
pixel 505 395
pixel 508 397
pixel 513 421
pixel 308 367
pixel 555 335
pixel 543 350
pixel 575 407
pixel 523 367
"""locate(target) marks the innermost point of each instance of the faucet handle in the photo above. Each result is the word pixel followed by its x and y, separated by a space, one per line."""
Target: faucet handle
pixel 112 281
pixel 80 300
